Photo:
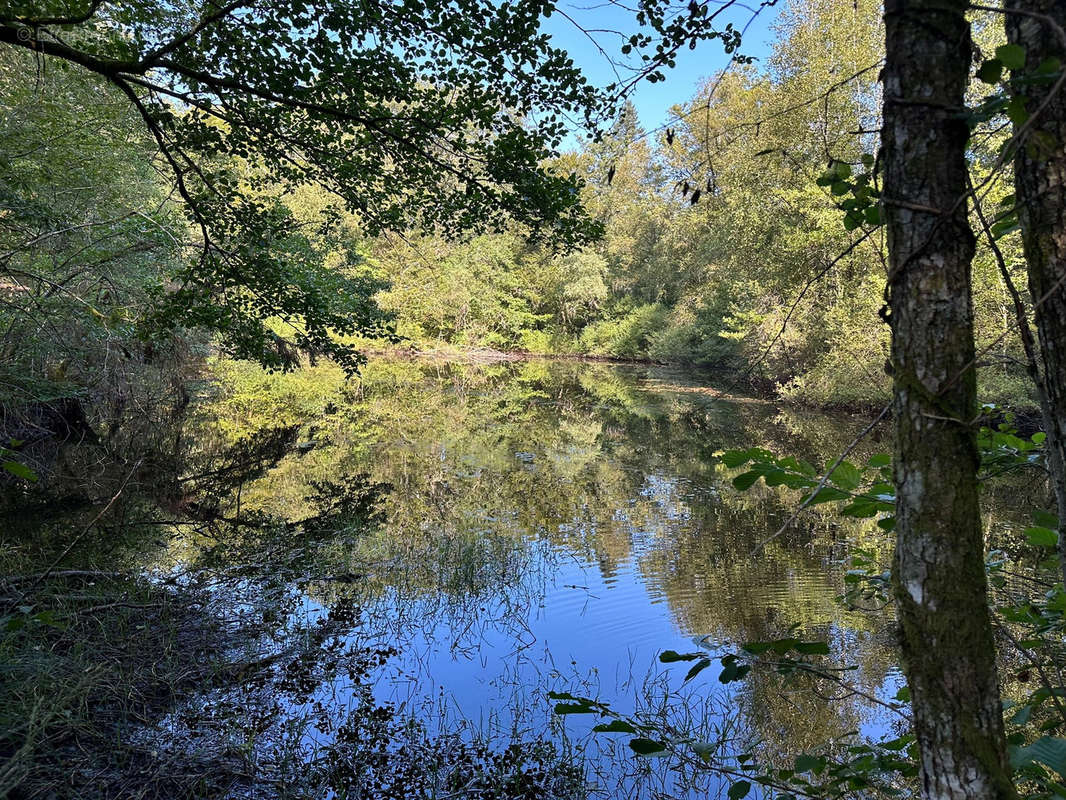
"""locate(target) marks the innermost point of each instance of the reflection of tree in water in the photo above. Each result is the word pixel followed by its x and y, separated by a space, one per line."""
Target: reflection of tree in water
pixel 448 495
pixel 473 464
pixel 475 468
pixel 583 456
pixel 790 715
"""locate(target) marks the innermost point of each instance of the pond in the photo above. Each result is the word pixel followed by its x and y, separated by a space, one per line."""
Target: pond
pixel 406 566
pixel 508 530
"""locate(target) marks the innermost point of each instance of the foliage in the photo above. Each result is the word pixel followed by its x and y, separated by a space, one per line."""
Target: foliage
pixel 435 116
pixel 85 230
pixel 311 225
pixel 762 272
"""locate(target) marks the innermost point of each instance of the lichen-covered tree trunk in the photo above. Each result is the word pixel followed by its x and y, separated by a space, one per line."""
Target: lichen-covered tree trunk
pixel 1040 196
pixel 939 575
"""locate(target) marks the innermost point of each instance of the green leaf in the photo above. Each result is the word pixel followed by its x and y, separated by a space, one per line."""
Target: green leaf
pixel 746 480
pixel 826 178
pixel 828 494
pixel 739 790
pixel 19 470
pixel 615 726
pixel 1007 224
pixel 809 763
pixel 793 481
pixel 1046 519
pixel 813 648
pixel 1049 66
pixel 1041 537
pixel 1016 111
pixel 647 747
pixel 896 745
pixel 879 460
pixel 775 477
pixel 863 509
pixel 1011 55
pixel 1049 751
pixel 991 71
pixel 1038 437
pixel 846 475
pixel 735 458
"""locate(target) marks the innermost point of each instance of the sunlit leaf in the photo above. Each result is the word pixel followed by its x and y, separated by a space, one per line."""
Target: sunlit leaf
pixel 1041 537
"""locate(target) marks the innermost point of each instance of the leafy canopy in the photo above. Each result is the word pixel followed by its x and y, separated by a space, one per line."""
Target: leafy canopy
pixel 431 115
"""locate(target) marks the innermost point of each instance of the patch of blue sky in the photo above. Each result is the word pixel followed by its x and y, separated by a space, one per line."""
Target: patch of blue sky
pixel 593 33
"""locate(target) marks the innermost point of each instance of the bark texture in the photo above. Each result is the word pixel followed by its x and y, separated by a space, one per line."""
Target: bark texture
pixel 939 575
pixel 1040 196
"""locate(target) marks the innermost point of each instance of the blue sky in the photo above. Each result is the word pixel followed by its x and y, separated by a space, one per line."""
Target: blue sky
pixel 653 100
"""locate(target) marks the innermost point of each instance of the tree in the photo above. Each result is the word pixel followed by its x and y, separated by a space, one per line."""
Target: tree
pixel 939 573
pixel 1039 176
pixel 85 229
pixel 435 115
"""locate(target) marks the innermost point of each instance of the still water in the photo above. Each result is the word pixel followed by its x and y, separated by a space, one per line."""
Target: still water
pixel 507 530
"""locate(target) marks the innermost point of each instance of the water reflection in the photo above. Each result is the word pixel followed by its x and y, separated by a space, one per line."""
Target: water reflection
pixel 515 528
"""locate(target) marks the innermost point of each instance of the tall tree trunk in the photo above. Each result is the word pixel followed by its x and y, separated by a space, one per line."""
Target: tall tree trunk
pixel 939 574
pixel 1040 196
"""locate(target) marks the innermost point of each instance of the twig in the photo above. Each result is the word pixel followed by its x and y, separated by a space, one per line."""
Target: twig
pixel 80 536
pixel 1036 665
pixel 66 573
pixel 120 604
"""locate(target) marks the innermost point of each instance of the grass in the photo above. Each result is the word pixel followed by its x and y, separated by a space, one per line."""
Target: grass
pixel 88 658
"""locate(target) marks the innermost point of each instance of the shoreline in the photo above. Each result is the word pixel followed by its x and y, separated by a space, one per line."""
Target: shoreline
pixel 1027 417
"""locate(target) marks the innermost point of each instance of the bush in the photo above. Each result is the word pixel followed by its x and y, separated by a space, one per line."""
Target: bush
pixel 628 337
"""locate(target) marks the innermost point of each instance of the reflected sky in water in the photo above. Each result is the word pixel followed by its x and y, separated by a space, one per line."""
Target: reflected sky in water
pixel 532 526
